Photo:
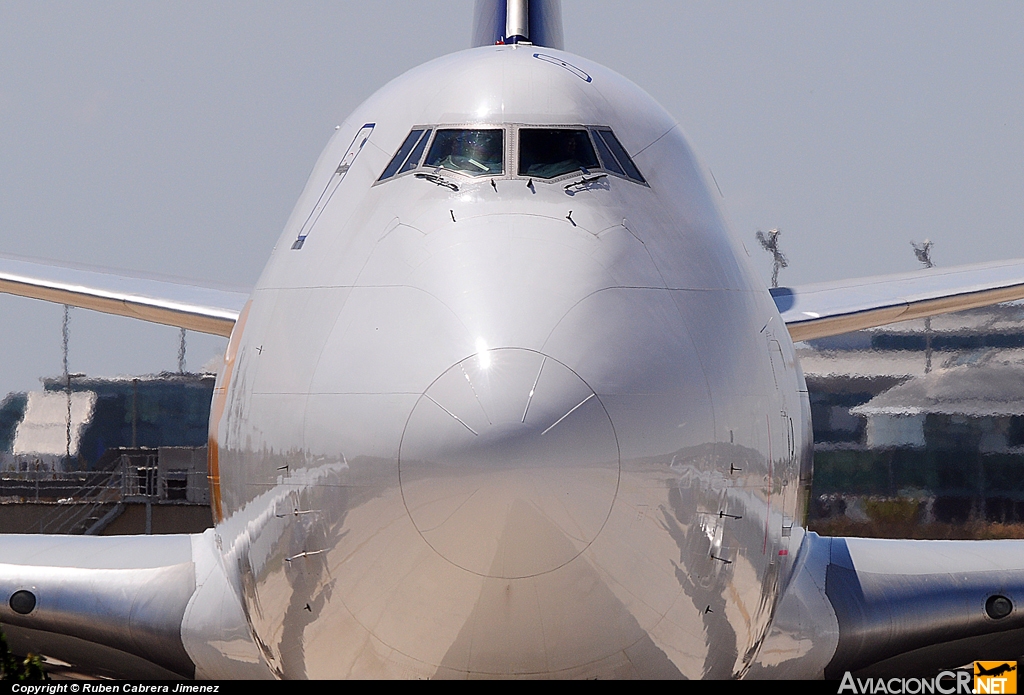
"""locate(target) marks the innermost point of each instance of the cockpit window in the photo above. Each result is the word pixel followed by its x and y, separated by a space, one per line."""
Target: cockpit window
pixel 417 154
pixel 546 153
pixel 606 156
pixel 403 153
pixel 472 152
pixel 607 137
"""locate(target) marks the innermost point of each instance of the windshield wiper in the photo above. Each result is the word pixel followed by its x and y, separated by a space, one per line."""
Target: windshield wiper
pixel 584 182
pixel 439 180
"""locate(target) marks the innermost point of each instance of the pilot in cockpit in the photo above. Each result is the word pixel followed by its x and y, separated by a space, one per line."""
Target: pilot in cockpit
pixel 472 152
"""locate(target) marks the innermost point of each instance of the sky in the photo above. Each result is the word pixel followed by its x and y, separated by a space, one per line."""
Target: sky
pixel 174 137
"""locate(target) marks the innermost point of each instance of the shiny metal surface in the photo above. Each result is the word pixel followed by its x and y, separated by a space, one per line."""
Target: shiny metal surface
pixel 508 464
pixel 490 24
pixel 513 427
pixel 927 593
pixel 201 309
pixel 517 19
pixel 832 308
pixel 153 607
pixel 92 552
pixel 894 608
pixel 137 610
pixel 214 628
pixel 804 631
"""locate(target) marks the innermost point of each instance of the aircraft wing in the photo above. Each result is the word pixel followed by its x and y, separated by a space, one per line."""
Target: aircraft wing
pixel 896 607
pixel 201 309
pixel 832 308
pixel 153 607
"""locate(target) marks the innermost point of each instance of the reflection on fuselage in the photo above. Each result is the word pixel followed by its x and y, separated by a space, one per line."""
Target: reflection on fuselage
pixel 521 427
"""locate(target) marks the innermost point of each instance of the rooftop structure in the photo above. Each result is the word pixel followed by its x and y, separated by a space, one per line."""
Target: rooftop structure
pixel 167 409
pixel 935 412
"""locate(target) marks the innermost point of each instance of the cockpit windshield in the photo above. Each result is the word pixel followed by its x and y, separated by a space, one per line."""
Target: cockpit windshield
pixel 548 153
pixel 472 152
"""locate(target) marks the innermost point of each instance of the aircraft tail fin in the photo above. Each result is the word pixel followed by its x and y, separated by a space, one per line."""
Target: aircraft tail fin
pixel 513 21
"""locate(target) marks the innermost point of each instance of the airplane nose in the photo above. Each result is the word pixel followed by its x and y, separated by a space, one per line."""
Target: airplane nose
pixel 509 464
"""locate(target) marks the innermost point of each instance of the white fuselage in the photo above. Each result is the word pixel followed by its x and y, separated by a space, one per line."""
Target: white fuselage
pixel 514 428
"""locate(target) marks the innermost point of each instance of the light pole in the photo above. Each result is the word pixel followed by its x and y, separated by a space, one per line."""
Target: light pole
pixel 923 251
pixel 770 243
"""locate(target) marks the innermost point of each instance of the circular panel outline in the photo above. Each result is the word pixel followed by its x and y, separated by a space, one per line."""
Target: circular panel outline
pixel 618 462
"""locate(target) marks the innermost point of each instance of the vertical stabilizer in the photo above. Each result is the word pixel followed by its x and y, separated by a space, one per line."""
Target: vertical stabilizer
pixel 516 21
